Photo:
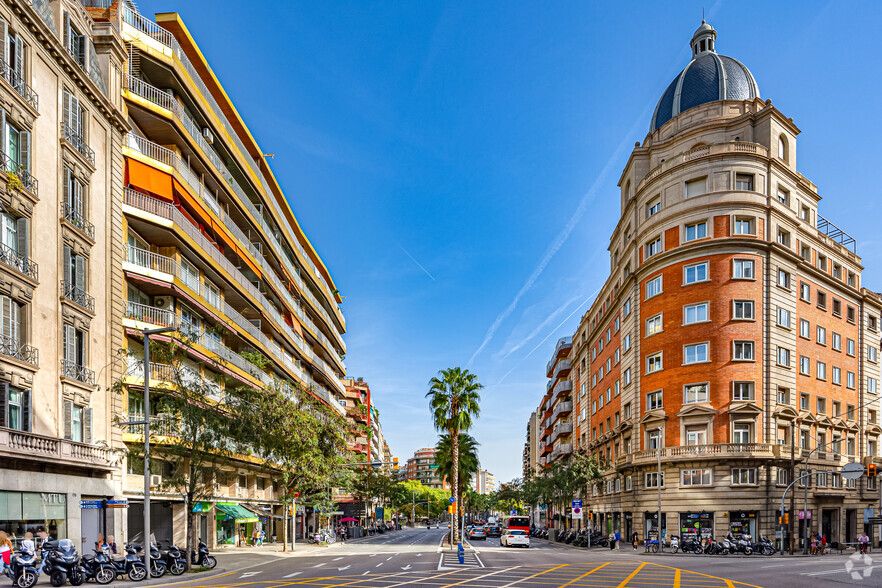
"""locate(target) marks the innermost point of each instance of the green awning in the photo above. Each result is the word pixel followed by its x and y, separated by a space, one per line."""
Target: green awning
pixel 236 512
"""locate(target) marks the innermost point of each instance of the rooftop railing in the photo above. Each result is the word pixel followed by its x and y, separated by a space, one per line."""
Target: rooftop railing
pixel 837 234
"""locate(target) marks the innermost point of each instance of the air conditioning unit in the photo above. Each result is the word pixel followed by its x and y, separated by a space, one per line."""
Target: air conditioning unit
pixel 164 302
pixel 155 481
pixel 208 135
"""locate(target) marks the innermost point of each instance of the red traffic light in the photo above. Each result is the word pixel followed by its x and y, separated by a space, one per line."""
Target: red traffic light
pixel 871 470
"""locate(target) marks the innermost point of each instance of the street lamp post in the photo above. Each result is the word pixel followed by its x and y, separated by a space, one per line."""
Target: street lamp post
pixel 659 484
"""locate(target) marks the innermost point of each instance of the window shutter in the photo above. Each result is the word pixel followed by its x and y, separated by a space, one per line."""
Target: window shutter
pixel 77 197
pixel 22 234
pixel 68 420
pixel 4 403
pixel 67 262
pixel 66 29
pixel 76 115
pixel 81 272
pixel 24 149
pixel 6 318
pixel 66 106
pixel 4 39
pixel 66 188
pixel 27 420
pixel 15 318
pixel 87 425
pixel 19 60
pixel 4 134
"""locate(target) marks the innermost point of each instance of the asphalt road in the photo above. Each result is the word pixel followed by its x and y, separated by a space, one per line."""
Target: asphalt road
pixel 414 558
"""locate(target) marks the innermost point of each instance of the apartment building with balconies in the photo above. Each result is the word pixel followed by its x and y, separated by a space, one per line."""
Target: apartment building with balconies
pixel 556 434
pixel 733 338
pixel 61 132
pixel 422 467
pixel 208 245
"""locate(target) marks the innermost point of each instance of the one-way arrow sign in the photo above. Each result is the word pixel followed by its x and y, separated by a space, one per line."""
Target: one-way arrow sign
pixel 407 567
pixel 346 568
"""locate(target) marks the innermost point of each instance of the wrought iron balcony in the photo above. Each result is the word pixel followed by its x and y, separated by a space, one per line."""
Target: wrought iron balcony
pixel 19 176
pixel 19 262
pixel 77 142
pixel 12 347
pixel 19 85
pixel 77 295
pixel 77 219
pixel 71 369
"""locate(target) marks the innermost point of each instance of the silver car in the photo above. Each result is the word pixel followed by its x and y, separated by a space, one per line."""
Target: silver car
pixel 477 532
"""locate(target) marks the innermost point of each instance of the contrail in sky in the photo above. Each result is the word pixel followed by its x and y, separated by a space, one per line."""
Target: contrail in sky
pixel 413 259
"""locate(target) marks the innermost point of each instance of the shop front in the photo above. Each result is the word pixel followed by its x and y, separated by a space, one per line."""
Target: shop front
pixel 696 525
pixel 22 512
pixel 235 524
pixel 743 522
pixel 629 526
pixel 650 526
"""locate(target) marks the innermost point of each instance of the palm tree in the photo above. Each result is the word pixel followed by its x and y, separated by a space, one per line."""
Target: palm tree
pixel 468 460
pixel 453 399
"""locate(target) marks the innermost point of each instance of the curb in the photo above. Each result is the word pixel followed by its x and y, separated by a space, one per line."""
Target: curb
pixel 183 578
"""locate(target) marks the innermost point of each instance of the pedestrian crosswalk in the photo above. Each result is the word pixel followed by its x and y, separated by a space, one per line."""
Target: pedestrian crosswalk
pixel 450 560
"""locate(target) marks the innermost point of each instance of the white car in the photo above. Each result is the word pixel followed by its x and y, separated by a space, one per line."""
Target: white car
pixel 515 538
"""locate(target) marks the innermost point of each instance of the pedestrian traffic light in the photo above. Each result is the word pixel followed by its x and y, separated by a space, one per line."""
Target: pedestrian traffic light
pixel 871 470
pixel 395 464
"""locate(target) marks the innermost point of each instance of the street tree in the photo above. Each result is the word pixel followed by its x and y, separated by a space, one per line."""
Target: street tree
pixel 468 459
pixel 454 402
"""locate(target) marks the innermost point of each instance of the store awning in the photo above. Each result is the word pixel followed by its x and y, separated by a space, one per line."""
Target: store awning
pixel 236 513
pixel 261 512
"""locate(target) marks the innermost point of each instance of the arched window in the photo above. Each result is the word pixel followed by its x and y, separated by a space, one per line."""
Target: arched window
pixel 782 148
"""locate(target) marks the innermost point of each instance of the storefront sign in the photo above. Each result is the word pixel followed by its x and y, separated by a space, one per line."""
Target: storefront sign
pixel 51 498
pixel 91 504
pixel 803 513
pixel 742 522
pixel 696 525
pixel 118 503
pixel 868 514
pixel 201 506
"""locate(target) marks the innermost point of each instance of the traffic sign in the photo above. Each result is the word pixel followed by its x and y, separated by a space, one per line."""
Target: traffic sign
pixel 577 503
pixel 852 471
pixel 90 504
pixel 452 499
pixel 451 509
pixel 124 503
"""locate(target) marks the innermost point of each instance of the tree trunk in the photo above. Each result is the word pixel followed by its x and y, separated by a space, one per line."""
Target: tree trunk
pixel 285 527
pixel 190 533
pixel 454 440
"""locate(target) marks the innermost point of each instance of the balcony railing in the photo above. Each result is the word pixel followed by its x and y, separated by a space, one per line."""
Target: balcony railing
pixel 24 177
pixel 158 371
pixel 77 142
pixel 151 261
pixel 714 450
pixel 160 426
pixel 560 429
pixel 77 219
pixel 19 85
pixel 11 347
pixel 150 314
pixel 562 344
pixel 77 295
pixel 19 262
pixel 25 445
pixel 70 369
pixel 562 408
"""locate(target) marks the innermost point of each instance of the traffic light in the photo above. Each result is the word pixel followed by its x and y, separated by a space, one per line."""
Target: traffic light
pixel 395 464
pixel 871 470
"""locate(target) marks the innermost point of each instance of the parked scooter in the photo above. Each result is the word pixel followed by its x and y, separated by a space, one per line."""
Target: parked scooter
pixel 175 560
pixel 692 546
pixel 766 546
pixel 61 563
pixel 131 565
pixel 98 567
pixel 158 566
pixel 22 569
pixel 202 558
pixel 675 543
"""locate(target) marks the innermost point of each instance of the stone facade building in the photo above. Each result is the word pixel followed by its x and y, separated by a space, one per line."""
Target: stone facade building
pixel 733 338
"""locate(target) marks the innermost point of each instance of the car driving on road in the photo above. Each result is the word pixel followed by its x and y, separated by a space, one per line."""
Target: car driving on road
pixel 515 538
pixel 494 530
pixel 477 532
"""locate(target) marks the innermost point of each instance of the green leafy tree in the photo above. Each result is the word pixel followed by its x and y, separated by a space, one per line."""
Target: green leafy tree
pixel 468 459
pixel 454 402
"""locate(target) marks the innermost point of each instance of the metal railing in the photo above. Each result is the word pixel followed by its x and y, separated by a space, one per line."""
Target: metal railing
pixel 150 314
pixel 98 3
pixel 167 210
pixel 160 426
pixel 77 142
pixel 19 85
pixel 153 30
pixel 830 230
pixel 12 347
pixel 149 260
pixel 77 219
pixel 71 369
pixel 77 295
pixel 19 262
pixel 24 177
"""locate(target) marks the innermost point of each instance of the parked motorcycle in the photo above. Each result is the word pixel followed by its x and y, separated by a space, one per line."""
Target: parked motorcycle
pixel 98 567
pixel 130 565
pixel 767 547
pixel 692 546
pixel 61 563
pixel 22 569
pixel 201 557
pixel 175 560
pixel 158 566
pixel 675 543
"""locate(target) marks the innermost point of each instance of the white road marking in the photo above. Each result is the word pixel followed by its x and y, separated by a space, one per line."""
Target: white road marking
pixel 249 574
pixel 388 558
pixel 318 565
pixel 294 574
pixel 337 559
pixel 346 568
pixel 366 573
pixel 379 564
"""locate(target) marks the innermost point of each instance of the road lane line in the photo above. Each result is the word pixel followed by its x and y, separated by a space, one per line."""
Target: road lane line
pixel 533 576
pixel 294 574
pixel 677 579
pixel 337 558
pixel 629 578
pixel 319 565
pixel 576 579
pixel 728 582
pixel 379 564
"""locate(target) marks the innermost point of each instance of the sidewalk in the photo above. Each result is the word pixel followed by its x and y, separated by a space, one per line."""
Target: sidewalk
pixel 273 548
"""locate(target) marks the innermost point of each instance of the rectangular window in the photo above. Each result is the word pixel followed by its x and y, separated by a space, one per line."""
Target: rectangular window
pixel 626 342
pixel 783 317
pixel 743 269
pixel 695 353
pixel 783 397
pixel 837 307
pixel 696 435
pixel 653 206
pixel 654 287
pixel 849 314
pixel 695 393
pixel 742 391
pixel 617 386
pixel 805 329
pixel 744 226
pixel 821 407
pixel 626 308
pixel 805 365
pixel 784 356
pixel 696 187
pixel 627 376
pixel 784 279
pixel 849 347
pixel 872 354
pixel 783 237
pixel 822 335
pixel 744 182
pixel 699 477
pixel 696 273
pixel 849 379
pixel 654 325
pixel 822 300
pixel 741 433
pixel 783 196
pixel 743 476
pixel 837 375
pixel 652 479
pixel 822 370
pixel 782 477
pixel 743 351
pixel 653 247
pixel 654 363
pixel 872 384
pixel 803 404
pixel 617 324
pixel 654 400
pixel 617 355
pixel 696 231
pixel 837 342
pixel 695 313
pixel 805 292
pixel 743 310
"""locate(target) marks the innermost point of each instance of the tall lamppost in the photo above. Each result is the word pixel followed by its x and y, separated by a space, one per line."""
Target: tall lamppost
pixel 659 484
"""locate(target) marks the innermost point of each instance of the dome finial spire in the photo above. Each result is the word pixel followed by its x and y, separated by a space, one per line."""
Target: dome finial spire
pixel 704 39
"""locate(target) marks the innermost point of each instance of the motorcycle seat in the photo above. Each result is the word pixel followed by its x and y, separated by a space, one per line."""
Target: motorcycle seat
pixel 87 557
pixel 118 557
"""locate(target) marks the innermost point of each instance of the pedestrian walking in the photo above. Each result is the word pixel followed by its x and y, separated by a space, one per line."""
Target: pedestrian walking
pixel 635 539
pixel 618 538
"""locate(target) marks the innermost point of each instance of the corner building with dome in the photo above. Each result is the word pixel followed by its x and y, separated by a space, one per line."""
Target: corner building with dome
pixel 733 337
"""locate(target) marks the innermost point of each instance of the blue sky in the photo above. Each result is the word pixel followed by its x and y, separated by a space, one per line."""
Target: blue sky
pixel 455 163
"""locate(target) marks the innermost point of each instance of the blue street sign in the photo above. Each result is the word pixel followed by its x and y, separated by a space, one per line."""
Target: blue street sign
pixel 90 504
pixel 577 503
pixel 452 499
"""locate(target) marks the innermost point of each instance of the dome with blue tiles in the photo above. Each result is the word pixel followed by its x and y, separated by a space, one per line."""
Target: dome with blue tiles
pixel 708 77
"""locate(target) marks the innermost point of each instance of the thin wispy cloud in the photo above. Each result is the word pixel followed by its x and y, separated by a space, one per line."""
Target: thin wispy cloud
pixel 413 259
pixel 521 341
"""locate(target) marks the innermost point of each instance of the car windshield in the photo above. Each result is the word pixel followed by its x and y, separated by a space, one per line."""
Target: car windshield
pixel 516 532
